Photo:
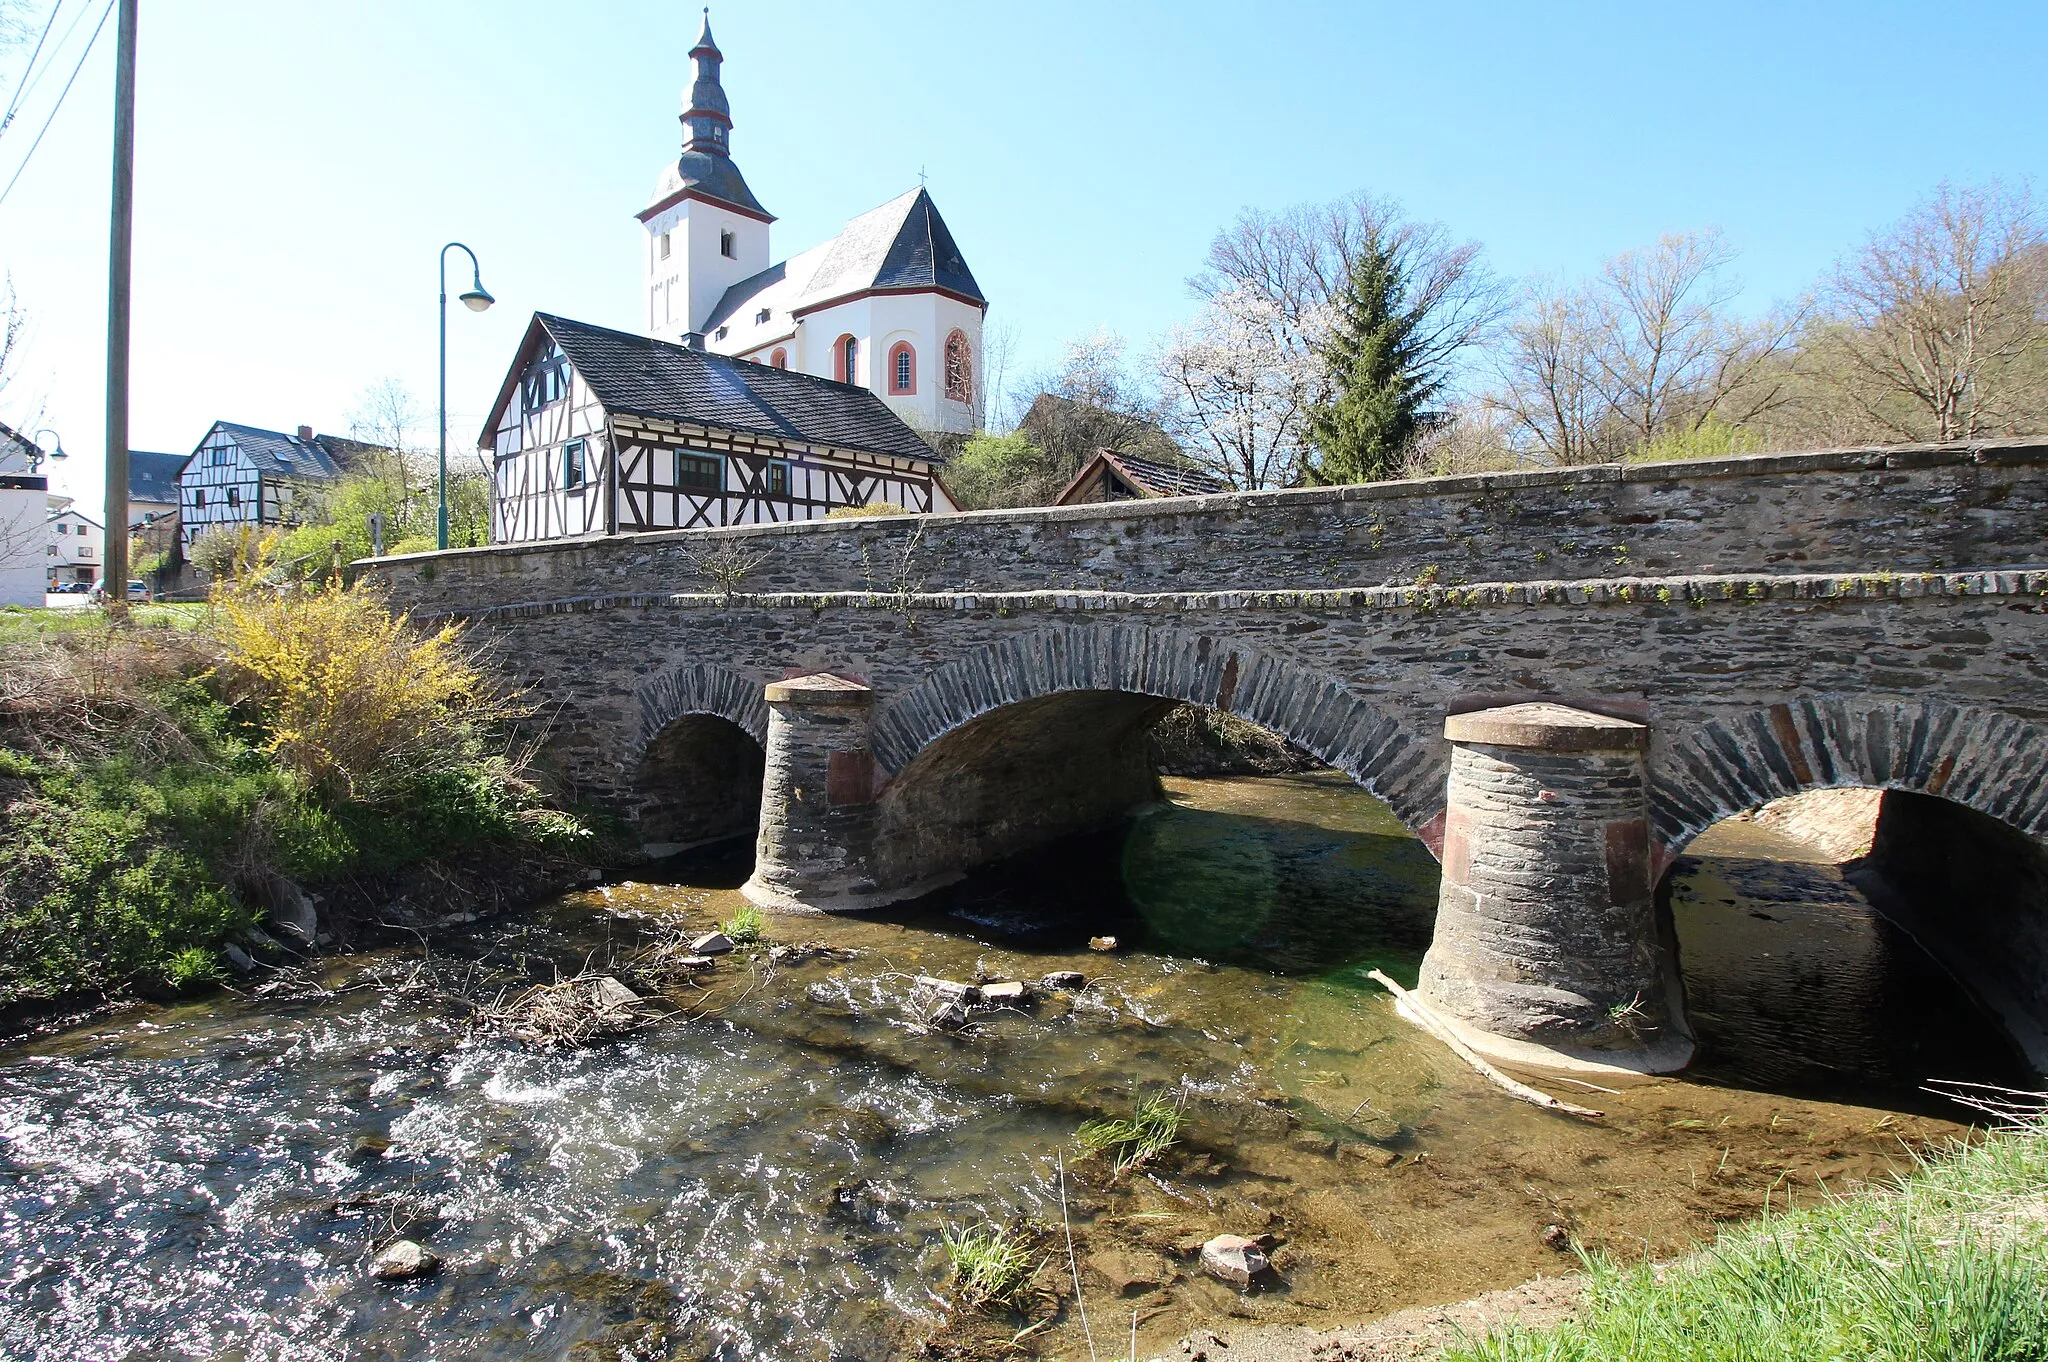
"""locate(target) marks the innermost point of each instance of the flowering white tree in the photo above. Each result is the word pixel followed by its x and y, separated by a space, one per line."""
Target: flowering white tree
pixel 1237 384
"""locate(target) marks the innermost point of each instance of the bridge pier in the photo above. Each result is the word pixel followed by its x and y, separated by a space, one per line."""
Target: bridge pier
pixel 817 833
pixel 1548 951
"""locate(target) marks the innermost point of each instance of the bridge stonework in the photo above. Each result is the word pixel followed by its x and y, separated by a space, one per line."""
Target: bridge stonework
pixel 1775 624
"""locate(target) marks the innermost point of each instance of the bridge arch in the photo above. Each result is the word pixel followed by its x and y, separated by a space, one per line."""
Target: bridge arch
pixel 1992 762
pixel 695 763
pixel 1957 855
pixel 1043 734
pixel 1317 712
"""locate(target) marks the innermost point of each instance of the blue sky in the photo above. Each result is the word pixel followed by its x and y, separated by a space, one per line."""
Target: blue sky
pixel 300 164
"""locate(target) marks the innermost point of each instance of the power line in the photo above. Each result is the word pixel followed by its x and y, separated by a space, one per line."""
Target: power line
pixel 35 79
pixel 59 104
pixel 19 90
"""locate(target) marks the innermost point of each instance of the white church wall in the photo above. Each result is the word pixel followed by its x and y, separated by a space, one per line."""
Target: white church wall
pixel 697 273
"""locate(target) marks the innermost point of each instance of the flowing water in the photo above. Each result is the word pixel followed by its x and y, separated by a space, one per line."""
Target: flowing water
pixel 765 1173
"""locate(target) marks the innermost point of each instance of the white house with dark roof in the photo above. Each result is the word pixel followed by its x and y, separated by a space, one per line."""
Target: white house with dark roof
pixel 888 305
pixel 596 431
pixel 245 475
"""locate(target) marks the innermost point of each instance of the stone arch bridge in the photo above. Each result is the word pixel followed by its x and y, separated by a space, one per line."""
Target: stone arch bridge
pixel 1556 678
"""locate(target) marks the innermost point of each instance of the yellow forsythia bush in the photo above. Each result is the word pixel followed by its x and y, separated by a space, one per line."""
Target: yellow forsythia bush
pixel 354 696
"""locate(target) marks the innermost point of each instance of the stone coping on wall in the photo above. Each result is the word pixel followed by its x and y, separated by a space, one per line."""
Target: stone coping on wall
pixel 1694 591
pixel 1858 459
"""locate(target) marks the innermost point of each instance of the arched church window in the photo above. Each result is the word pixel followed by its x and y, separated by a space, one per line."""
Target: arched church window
pixel 959 368
pixel 902 369
pixel 846 360
pixel 780 359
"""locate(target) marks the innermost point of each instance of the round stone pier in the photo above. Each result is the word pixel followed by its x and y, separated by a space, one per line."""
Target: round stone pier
pixel 817 798
pixel 1548 952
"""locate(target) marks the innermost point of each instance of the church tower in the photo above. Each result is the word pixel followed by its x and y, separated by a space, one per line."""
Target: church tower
pixel 704 229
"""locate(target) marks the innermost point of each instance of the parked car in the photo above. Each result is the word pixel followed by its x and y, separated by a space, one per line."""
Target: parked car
pixel 71 588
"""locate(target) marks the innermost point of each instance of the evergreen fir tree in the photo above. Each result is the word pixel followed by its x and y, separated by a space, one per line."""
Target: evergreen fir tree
pixel 1362 429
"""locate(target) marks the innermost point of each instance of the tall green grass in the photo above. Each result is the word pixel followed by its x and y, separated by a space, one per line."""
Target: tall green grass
pixel 989 1262
pixel 1949 1262
pixel 1152 1129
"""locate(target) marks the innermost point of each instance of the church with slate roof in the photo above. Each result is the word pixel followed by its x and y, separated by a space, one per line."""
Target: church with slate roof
pixel 888 305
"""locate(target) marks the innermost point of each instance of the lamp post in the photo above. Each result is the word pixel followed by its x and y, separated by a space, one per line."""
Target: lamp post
pixel 35 450
pixel 476 300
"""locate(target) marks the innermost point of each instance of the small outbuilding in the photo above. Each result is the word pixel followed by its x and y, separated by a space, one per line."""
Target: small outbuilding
pixel 1119 475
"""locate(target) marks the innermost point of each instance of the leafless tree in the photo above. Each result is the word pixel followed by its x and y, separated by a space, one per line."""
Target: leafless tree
pixel 1091 400
pixel 1546 392
pixel 991 393
pixel 1647 349
pixel 1938 327
pixel 1300 259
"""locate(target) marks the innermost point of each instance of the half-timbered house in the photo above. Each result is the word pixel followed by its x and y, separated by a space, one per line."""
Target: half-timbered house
pixel 243 475
pixel 598 431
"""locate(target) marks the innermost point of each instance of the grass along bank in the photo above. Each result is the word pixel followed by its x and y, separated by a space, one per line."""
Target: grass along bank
pixel 165 782
pixel 1949 1262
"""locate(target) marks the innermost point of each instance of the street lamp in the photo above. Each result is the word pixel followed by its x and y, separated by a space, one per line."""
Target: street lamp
pixel 476 300
pixel 35 450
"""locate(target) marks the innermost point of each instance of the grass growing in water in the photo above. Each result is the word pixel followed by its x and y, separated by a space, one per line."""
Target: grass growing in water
pixel 989 1262
pixel 744 927
pixel 1151 1130
pixel 1950 1262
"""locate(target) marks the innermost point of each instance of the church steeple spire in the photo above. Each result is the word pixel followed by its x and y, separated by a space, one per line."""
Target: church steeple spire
pixel 707 118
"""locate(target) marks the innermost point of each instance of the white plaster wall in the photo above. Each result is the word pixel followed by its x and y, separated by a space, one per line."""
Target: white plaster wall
pixel 23 546
pixel 695 275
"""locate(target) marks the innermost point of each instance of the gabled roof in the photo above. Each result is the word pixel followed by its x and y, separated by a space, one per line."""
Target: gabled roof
pixel 902 245
pixel 640 376
pixel 154 477
pixel 1147 477
pixel 287 456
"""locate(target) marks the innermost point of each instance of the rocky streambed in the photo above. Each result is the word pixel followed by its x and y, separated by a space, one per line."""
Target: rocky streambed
pixel 763 1157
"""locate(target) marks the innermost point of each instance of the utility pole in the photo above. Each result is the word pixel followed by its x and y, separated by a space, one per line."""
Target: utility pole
pixel 120 263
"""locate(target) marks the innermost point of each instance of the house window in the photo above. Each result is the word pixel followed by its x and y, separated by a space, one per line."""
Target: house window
pixel 664 245
pixel 721 333
pixel 761 317
pixel 959 368
pixel 547 381
pixel 778 479
pixel 572 466
pixel 780 359
pixel 234 496
pixel 902 369
pixel 846 360
pixel 62 528
pixel 199 499
pixel 696 473
pixel 725 245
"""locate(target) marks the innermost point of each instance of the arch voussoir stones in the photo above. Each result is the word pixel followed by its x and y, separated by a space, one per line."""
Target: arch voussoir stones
pixel 701 688
pixel 1992 762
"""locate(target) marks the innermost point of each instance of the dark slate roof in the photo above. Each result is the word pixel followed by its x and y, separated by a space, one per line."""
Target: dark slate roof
pixel 1166 479
pixel 641 376
pixel 714 176
pixel 1149 477
pixel 287 456
pixel 154 477
pixel 904 244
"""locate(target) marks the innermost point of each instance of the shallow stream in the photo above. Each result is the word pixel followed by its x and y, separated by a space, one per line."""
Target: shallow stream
pixel 765 1172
